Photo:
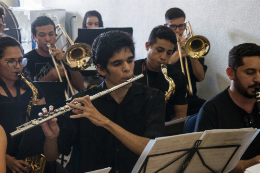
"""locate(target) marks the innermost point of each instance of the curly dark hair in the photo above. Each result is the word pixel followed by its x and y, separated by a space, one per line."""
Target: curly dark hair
pixel 162 32
pixel 6 42
pixel 92 13
pixel 237 53
pixel 106 44
pixel 174 13
pixel 41 21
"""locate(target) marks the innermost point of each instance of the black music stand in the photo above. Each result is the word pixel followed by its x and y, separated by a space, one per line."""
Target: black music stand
pixel 190 152
pixel 88 36
pixel 53 91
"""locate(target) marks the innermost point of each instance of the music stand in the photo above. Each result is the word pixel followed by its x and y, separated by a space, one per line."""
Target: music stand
pixel 191 152
pixel 86 35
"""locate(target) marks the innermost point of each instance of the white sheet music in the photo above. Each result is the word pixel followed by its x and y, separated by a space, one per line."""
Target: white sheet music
pixel 253 169
pixel 215 158
pixel 219 137
pixel 105 170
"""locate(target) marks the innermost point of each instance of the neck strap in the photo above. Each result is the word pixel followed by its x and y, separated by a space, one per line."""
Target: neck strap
pixel 17 85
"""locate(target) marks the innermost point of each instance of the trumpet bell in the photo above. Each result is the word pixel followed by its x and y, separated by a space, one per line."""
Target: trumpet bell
pixel 77 57
pixel 197 46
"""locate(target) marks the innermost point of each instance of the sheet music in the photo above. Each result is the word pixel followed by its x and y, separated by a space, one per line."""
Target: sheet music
pixel 168 144
pixel 253 169
pixel 219 137
pixel 173 143
pixel 105 170
pixel 215 158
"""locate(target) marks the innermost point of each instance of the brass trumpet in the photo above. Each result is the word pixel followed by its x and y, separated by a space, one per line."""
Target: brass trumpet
pixel 196 46
pixel 76 57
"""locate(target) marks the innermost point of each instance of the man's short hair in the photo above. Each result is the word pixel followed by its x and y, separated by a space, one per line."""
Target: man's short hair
pixel 162 32
pixel 108 43
pixel 237 53
pixel 41 21
pixel 174 13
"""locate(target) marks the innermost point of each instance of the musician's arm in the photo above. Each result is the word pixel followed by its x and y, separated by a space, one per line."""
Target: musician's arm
pixel 180 111
pixel 3 146
pixel 41 102
pixel 197 69
pixel 244 164
pixel 76 80
pixel 51 149
pixel 174 58
pixel 133 142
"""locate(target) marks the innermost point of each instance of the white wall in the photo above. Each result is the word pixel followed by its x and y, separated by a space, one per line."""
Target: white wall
pixel 13 3
pixel 225 23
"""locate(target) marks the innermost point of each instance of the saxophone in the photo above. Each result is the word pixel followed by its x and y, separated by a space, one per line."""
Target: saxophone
pixel 171 89
pixel 35 93
pixel 37 162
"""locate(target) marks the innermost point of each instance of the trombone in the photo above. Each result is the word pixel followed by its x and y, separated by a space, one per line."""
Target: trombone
pixel 196 46
pixel 76 57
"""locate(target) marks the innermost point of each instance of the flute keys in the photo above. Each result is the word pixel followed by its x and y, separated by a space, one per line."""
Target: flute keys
pixel 66 107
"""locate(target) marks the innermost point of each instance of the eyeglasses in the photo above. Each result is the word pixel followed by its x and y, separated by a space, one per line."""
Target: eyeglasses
pixel 249 120
pixel 181 26
pixel 13 63
pixel 2 26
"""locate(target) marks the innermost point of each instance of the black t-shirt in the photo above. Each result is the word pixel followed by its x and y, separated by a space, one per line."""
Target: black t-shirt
pixel 39 66
pixel 141 112
pixel 193 79
pixel 221 112
pixel 157 80
pixel 21 109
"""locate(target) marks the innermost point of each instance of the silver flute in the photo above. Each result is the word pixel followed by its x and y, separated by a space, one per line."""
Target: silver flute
pixel 66 108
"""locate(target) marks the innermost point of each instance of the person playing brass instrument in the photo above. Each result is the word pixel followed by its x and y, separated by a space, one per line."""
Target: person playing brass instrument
pixel 40 64
pixel 13 90
pixel 160 47
pixel 237 106
pixel 112 130
pixel 175 19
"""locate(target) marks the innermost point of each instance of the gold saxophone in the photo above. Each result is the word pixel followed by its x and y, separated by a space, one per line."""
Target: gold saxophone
pixel 171 89
pixel 35 93
pixel 37 162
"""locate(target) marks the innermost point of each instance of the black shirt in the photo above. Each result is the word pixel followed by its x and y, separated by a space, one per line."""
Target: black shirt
pixel 193 79
pixel 141 112
pixel 221 112
pixel 157 80
pixel 19 118
pixel 39 66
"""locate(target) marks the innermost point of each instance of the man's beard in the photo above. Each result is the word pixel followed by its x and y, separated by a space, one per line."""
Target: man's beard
pixel 242 90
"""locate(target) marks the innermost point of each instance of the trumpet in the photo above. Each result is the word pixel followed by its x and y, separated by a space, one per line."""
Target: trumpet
pixel 66 108
pixel 76 57
pixel 196 46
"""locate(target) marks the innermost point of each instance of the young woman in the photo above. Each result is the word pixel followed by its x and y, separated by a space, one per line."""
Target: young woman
pixel 13 90
pixel 92 19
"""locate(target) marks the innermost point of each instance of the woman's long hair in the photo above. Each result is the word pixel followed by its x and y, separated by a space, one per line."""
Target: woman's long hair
pixel 92 13
pixel 6 42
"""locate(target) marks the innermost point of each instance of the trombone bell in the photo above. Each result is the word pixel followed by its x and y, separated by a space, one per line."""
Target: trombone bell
pixel 197 46
pixel 77 56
